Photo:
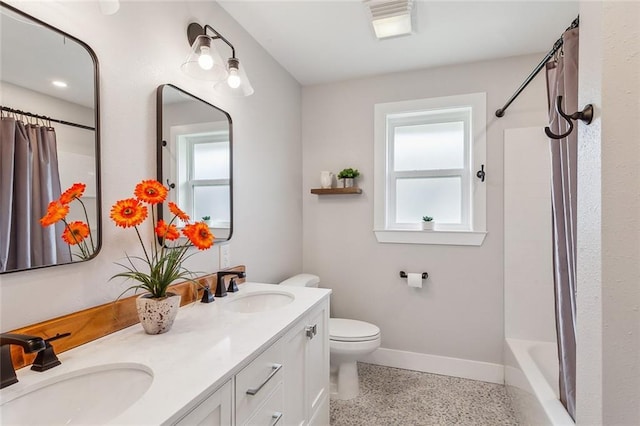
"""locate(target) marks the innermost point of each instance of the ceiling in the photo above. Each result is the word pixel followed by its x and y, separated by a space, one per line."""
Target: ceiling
pixel 320 41
pixel 33 56
pixel 317 41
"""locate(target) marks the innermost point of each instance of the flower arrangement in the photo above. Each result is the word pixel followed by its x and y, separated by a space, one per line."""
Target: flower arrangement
pixel 76 233
pixel 163 263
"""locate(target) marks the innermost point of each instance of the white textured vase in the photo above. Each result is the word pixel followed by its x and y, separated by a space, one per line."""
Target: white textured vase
pixel 157 315
pixel 326 179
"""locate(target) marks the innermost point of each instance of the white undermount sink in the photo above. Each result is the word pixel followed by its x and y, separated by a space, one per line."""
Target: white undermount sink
pixel 259 301
pixel 89 396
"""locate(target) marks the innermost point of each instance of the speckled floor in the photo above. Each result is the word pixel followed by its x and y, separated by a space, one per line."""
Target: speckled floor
pixel 391 396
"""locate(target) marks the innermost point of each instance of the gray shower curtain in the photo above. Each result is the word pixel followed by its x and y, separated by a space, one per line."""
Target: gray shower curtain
pixel 29 181
pixel 562 80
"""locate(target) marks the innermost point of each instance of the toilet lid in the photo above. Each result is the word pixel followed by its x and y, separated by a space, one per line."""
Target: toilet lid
pixel 348 330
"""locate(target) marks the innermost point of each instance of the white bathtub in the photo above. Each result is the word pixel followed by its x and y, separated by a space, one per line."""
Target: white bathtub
pixel 531 377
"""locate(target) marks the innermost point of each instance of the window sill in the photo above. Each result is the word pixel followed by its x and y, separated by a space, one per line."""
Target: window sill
pixel 410 236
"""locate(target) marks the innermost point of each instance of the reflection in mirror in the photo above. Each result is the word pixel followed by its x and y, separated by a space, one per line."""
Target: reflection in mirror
pixel 194 158
pixel 49 139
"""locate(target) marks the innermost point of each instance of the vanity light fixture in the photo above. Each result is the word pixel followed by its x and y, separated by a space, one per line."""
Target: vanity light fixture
pixel 205 62
pixel 391 18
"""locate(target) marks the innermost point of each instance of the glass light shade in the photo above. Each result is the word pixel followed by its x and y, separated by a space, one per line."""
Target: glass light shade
pixel 193 65
pixel 236 72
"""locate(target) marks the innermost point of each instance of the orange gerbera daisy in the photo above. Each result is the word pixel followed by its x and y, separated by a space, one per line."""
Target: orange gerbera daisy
pixel 75 232
pixel 129 212
pixel 199 235
pixel 173 208
pixel 75 191
pixel 151 191
pixel 55 211
pixel 168 232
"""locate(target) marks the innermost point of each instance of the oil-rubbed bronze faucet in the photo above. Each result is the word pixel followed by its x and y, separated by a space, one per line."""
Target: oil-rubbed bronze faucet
pixel 220 290
pixel 47 358
pixel 30 344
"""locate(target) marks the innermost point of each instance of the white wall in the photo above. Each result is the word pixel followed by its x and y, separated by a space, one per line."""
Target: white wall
pixel 608 295
pixel 139 48
pixel 459 311
pixel 529 299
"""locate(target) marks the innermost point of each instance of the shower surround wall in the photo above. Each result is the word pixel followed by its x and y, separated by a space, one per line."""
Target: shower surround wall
pixel 139 48
pixel 454 324
pixel 528 257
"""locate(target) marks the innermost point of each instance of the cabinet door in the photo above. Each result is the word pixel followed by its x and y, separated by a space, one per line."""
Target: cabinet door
pixel 317 361
pixel 213 411
pixel 295 342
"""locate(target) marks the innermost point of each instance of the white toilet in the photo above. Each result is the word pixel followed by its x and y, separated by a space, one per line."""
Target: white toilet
pixel 349 341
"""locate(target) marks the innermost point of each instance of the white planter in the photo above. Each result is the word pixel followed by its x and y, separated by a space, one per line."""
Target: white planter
pixel 427 226
pixel 348 182
pixel 157 315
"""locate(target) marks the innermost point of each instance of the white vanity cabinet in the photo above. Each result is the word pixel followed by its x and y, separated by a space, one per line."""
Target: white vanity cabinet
pixel 286 384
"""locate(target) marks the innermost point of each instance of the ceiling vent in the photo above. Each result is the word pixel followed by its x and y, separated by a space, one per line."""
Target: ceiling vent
pixel 391 18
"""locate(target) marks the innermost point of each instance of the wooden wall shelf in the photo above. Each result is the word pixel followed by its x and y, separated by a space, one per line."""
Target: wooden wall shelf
pixel 336 191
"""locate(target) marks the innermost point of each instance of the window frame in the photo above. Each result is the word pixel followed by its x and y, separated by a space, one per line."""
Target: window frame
pixel 186 167
pixel 387 116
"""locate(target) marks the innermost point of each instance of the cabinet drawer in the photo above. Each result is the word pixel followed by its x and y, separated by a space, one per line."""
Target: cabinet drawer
pixel 257 381
pixel 270 412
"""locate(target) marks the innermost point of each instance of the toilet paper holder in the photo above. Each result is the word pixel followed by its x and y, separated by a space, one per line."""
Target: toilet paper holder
pixel 403 274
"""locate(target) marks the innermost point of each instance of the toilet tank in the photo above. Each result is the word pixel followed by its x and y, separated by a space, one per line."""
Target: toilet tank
pixel 302 280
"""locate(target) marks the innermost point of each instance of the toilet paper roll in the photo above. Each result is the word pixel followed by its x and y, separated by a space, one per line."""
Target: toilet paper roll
pixel 414 279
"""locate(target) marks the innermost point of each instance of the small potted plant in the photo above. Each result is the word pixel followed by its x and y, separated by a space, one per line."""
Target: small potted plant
pixel 347 176
pixel 207 220
pixel 427 223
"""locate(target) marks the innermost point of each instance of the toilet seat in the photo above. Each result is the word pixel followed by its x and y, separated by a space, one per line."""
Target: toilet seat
pixel 348 330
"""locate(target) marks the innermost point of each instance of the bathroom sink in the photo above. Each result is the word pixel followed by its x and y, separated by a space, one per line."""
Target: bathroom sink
pixel 90 396
pixel 259 302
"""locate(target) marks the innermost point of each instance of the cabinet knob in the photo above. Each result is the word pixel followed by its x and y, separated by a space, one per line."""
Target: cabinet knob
pixel 311 330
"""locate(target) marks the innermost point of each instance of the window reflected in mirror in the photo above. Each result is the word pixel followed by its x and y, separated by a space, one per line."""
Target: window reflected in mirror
pixel 194 158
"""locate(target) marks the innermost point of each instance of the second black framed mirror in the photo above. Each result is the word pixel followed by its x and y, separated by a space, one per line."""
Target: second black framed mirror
pixel 194 158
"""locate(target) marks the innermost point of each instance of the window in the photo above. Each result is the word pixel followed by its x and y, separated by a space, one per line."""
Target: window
pixel 203 171
pixel 426 155
pixel 206 189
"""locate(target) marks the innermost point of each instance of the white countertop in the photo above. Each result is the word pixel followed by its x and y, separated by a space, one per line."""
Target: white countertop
pixel 205 347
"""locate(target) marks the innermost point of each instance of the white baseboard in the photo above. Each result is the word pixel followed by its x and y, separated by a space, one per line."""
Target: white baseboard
pixel 456 367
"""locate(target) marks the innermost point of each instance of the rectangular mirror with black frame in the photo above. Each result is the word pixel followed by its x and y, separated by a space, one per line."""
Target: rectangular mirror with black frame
pixel 49 145
pixel 194 159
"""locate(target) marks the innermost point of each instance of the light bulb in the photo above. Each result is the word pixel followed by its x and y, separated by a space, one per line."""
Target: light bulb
pixel 205 60
pixel 234 79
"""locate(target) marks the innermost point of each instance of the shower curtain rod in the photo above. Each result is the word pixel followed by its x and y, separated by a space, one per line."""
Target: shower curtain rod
pixel 44 117
pixel 556 46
